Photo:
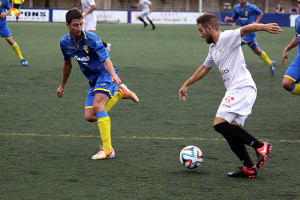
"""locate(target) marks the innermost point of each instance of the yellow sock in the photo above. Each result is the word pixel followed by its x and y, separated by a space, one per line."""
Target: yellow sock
pixel 265 58
pixel 112 101
pixel 296 90
pixel 16 49
pixel 104 128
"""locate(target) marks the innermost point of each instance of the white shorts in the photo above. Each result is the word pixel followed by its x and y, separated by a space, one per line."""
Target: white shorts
pixel 89 23
pixel 145 13
pixel 237 105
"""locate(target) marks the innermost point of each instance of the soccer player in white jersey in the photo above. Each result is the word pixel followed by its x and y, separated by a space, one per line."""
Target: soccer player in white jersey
pixel 146 10
pixel 90 19
pixel 225 52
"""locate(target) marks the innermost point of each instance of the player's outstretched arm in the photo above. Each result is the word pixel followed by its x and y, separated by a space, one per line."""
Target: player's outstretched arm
pixel 292 45
pixel 271 28
pixel 67 68
pixel 199 74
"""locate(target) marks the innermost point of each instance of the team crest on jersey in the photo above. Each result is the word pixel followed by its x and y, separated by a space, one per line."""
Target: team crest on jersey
pixel 220 50
pixel 102 84
pixel 86 48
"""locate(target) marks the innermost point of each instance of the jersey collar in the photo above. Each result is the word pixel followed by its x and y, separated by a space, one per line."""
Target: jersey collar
pixel 245 5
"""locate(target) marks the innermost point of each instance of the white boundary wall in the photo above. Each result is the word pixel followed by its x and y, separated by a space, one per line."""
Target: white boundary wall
pixel 102 16
pixel 183 18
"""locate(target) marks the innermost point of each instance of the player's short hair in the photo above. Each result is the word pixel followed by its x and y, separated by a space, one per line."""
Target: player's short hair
pixel 209 19
pixel 74 13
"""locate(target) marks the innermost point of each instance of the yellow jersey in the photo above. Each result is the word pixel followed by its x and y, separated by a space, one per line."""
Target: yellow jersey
pixel 18 1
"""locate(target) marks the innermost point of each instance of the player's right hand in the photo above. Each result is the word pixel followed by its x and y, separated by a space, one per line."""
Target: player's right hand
pixel 60 92
pixel 182 93
pixel 2 15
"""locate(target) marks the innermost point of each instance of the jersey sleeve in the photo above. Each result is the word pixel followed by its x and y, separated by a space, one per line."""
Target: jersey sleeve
pixel 233 38
pixel 7 5
pixel 91 2
pixel 209 62
pixel 67 57
pixel 148 2
pixel 100 49
pixel 234 14
pixel 257 10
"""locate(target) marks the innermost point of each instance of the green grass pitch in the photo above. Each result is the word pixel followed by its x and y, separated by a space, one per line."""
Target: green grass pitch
pixel 46 145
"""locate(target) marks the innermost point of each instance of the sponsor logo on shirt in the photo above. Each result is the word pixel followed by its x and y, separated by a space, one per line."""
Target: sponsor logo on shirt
pixel 82 59
pixel 71 47
pixel 225 71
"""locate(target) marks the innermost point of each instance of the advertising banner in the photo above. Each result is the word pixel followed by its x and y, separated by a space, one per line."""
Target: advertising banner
pixel 31 15
pixel 102 16
pixel 183 18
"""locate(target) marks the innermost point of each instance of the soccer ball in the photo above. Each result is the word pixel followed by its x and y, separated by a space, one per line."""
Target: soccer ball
pixel 191 157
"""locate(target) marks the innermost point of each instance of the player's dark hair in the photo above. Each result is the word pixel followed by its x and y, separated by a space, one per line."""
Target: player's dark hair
pixel 73 14
pixel 209 19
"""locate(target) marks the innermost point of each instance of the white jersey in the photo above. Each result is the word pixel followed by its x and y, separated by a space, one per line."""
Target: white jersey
pixel 145 5
pixel 86 6
pixel 228 56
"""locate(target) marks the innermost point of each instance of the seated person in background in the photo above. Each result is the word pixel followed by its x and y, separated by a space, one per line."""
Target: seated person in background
pixel 279 9
pixel 294 10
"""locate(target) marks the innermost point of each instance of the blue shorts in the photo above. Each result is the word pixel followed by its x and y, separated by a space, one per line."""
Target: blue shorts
pixel 250 40
pixel 293 72
pixel 5 32
pixel 104 85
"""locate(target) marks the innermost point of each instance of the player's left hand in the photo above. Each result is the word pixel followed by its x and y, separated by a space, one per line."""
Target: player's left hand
pixel 273 28
pixel 116 80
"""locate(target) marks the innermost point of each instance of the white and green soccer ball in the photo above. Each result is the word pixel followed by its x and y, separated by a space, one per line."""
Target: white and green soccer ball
pixel 191 157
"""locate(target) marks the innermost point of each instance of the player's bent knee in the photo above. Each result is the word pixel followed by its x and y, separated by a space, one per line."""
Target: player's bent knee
pixel 90 118
pixel 287 84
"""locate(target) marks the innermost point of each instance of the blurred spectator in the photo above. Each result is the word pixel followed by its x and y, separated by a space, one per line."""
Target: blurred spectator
pixel 294 10
pixel 279 9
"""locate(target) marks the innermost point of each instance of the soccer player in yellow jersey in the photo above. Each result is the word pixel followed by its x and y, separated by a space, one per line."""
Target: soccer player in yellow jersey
pixel 249 13
pixel 16 5
pixel 106 88
pixel 5 33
